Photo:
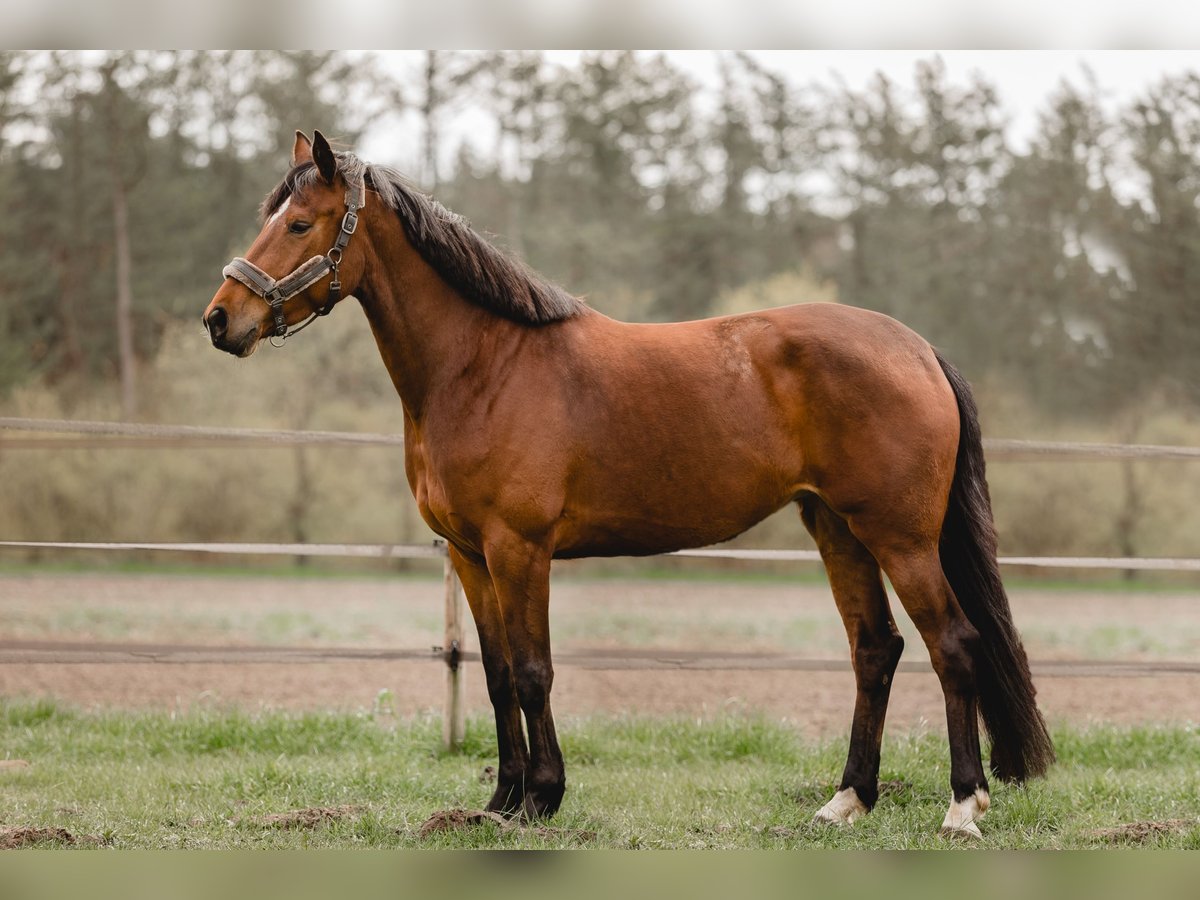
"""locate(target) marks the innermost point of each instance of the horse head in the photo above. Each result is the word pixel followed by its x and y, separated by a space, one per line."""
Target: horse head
pixel 294 269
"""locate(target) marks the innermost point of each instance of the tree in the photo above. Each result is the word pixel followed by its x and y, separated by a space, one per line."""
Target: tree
pixel 1067 290
pixel 919 177
pixel 624 151
pixel 1162 239
pixel 124 133
pixel 445 76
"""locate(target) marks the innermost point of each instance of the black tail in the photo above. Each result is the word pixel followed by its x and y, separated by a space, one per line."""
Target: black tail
pixel 1021 746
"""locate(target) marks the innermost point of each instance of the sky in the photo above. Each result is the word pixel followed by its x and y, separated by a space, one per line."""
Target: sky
pixel 1024 80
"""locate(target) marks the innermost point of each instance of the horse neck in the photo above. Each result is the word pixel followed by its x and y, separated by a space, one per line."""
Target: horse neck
pixel 426 332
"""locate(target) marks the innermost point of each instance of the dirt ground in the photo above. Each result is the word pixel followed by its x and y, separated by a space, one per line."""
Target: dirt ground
pixel 698 615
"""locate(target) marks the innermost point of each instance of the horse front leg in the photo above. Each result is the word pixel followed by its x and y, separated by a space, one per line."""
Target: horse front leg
pixel 509 798
pixel 521 577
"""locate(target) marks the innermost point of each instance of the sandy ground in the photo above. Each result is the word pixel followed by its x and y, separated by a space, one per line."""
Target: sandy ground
pixel 820 702
pixel 713 615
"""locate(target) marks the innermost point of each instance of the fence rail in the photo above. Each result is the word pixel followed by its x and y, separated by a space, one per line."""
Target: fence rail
pixel 68 653
pixel 155 436
pixel 176 433
pixel 438 550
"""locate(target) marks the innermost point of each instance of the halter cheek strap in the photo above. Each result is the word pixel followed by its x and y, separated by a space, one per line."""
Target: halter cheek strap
pixel 304 276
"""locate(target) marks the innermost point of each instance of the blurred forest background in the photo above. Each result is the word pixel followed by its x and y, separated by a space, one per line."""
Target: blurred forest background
pixel 1063 277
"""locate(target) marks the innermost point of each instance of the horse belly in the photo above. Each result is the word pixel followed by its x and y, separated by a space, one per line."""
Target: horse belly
pixel 650 516
pixel 697 460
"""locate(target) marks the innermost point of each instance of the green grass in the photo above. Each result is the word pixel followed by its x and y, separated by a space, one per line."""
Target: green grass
pixel 200 780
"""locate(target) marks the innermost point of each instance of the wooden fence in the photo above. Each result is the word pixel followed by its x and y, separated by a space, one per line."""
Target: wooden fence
pixel 451 652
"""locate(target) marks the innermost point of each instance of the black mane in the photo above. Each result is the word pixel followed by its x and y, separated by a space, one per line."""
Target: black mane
pixel 481 272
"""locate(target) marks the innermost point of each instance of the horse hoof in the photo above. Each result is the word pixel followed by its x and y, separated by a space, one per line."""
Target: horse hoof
pixel 843 809
pixel 961 817
pixel 968 832
pixel 543 802
pixel 508 801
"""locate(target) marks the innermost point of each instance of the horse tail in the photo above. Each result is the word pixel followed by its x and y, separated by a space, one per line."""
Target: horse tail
pixel 1021 745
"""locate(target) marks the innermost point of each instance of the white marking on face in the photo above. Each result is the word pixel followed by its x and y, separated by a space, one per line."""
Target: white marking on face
pixel 961 817
pixel 279 212
pixel 843 809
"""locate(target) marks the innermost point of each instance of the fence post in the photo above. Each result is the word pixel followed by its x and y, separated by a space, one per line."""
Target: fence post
pixel 454 717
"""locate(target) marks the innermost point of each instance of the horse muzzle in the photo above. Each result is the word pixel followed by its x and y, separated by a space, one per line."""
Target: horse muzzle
pixel 216 320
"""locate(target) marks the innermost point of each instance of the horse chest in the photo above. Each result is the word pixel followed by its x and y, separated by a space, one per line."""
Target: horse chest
pixel 434 501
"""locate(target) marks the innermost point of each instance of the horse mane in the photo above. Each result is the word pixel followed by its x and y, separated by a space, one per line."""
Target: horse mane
pixel 478 270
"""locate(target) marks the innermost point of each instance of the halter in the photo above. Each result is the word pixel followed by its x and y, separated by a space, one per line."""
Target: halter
pixel 304 276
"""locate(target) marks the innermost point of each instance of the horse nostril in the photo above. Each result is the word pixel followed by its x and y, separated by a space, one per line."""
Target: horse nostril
pixel 216 322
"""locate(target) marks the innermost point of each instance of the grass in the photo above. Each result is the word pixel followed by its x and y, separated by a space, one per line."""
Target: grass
pixel 208 779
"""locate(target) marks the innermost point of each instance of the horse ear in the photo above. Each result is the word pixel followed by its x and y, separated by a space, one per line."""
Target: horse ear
pixel 323 156
pixel 302 150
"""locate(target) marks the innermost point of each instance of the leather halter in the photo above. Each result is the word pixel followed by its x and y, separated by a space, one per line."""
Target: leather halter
pixel 305 275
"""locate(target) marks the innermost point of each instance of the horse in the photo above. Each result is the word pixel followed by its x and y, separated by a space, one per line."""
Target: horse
pixel 536 428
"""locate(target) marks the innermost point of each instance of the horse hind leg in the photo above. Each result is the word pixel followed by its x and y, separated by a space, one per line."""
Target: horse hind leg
pixel 875 648
pixel 954 646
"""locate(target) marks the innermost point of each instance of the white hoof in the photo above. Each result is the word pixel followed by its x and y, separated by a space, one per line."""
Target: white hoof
pixel 843 809
pixel 961 817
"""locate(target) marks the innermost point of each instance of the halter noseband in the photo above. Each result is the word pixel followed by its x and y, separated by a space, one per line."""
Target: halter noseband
pixel 304 276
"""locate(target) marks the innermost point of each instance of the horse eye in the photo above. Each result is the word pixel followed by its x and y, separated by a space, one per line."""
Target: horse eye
pixel 299 227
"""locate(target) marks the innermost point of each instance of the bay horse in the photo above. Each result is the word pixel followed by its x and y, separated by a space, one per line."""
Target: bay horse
pixel 536 428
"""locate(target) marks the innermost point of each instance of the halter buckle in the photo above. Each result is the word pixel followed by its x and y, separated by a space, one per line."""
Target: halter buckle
pixel 350 221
